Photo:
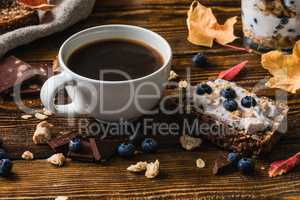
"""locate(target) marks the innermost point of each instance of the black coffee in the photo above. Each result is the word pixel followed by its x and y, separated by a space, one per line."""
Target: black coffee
pixel 132 58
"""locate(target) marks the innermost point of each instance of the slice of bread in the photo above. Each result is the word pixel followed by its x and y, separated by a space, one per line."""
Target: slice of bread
pixel 250 129
pixel 14 16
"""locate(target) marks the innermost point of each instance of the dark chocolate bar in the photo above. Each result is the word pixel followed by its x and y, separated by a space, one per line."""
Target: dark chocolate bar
pixel 221 164
pixel 15 71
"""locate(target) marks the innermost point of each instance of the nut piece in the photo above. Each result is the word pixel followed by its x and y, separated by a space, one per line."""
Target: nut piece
pixel 42 133
pixel 152 169
pixel 26 116
pixel 47 112
pixel 27 155
pixel 200 163
pixel 183 84
pixel 61 198
pixel 57 159
pixel 40 116
pixel 173 76
pixel 189 143
pixel 138 167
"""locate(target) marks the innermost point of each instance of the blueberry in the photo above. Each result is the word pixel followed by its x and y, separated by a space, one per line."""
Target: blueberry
pixel 233 157
pixel 75 145
pixel 126 150
pixel 149 145
pixel 248 102
pixel 250 43
pixel 3 154
pixel 200 90
pixel 228 93
pixel 5 167
pixel 284 20
pixel 291 30
pixel 230 105
pixel 207 88
pixel 199 60
pixel 246 165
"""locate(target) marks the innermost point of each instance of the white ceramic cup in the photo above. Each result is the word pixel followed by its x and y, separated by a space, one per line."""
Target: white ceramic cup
pixel 108 100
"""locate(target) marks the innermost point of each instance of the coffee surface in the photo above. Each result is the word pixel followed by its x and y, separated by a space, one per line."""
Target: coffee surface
pixel 110 60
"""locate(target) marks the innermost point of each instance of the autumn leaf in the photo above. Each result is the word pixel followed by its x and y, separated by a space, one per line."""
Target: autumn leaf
pixel 284 68
pixel 37 4
pixel 204 28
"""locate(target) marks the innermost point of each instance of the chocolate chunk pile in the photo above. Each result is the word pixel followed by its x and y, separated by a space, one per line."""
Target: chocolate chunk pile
pixel 91 149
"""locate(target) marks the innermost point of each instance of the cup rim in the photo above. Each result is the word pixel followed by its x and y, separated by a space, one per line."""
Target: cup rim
pixel 65 67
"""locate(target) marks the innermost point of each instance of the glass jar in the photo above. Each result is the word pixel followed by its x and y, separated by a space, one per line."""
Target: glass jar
pixel 271 24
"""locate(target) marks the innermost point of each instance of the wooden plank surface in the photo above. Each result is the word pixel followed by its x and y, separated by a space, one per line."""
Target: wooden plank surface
pixel 179 178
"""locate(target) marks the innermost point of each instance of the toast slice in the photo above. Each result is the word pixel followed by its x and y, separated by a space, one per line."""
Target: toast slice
pixel 236 119
pixel 14 16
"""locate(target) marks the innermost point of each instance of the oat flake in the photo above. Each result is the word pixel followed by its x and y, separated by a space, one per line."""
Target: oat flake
pixel 26 116
pixel 40 116
pixel 200 163
pixel 152 169
pixel 27 155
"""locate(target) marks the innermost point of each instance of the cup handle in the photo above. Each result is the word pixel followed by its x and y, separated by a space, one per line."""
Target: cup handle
pixel 51 88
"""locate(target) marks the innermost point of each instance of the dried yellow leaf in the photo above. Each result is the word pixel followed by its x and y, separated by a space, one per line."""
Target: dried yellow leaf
pixel 284 68
pixel 204 28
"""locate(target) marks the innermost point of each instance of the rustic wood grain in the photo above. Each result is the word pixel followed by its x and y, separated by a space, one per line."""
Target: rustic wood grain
pixel 179 178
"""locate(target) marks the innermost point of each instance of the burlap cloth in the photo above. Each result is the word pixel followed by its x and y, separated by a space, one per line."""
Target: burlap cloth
pixel 65 14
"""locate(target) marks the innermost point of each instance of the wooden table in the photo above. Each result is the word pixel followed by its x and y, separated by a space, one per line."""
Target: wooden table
pixel 179 178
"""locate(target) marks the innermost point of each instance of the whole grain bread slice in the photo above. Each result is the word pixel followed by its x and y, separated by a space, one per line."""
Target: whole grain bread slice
pixel 14 15
pixel 240 141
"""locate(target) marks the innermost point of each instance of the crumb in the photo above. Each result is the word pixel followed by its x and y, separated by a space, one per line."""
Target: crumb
pixel 27 155
pixel 137 152
pixel 40 116
pixel 26 116
pixel 42 133
pixel 173 76
pixel 61 198
pixel 57 159
pixel 262 168
pixel 47 112
pixel 64 132
pixel 183 84
pixel 138 167
pixel 189 143
pixel 200 163
pixel 152 169
pixel 34 86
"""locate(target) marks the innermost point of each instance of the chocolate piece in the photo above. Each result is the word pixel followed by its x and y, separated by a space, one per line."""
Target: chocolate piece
pixel 107 148
pixel 14 71
pixel 221 164
pixel 85 154
pixel 95 149
pixel 60 144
